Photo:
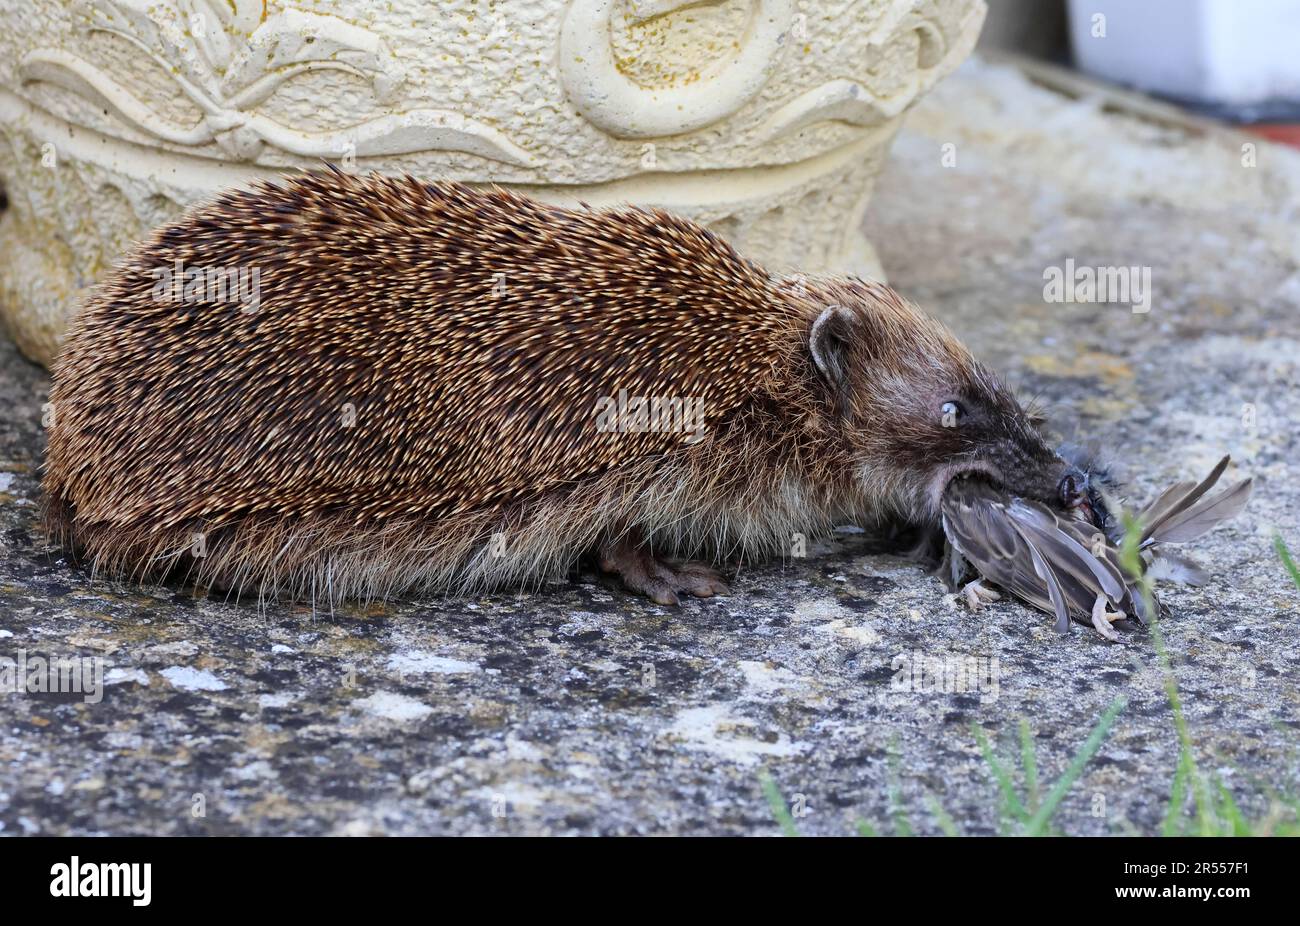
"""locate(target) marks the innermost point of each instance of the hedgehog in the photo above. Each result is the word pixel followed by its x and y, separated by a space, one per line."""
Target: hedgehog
pixel 334 387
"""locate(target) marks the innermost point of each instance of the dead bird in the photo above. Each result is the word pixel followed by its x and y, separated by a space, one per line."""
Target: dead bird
pixel 1067 562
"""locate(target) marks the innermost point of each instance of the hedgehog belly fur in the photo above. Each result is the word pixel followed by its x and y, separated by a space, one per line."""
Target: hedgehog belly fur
pixel 326 559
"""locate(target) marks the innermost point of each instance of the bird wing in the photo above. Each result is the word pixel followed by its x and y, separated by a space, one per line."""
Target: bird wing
pixel 1071 548
pixel 1158 507
pixel 1194 520
pixel 1086 569
pixel 1177 499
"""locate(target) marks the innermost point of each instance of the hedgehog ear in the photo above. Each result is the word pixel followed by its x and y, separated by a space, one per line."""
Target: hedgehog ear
pixel 828 341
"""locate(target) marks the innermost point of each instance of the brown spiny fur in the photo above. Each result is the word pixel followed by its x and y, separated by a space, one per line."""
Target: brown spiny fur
pixel 473 333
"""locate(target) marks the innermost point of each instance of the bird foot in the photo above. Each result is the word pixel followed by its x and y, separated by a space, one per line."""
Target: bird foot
pixel 659 580
pixel 1103 617
pixel 977 595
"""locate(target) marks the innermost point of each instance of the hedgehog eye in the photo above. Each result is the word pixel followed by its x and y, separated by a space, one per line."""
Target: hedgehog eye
pixel 952 413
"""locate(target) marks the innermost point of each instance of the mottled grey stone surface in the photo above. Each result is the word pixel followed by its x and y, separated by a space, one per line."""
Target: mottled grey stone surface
pixel 582 711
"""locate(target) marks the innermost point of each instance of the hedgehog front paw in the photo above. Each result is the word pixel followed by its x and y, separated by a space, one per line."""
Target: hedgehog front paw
pixel 659 580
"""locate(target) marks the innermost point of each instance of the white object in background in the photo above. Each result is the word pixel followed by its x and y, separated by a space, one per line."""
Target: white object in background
pixel 1212 51
pixel 767 120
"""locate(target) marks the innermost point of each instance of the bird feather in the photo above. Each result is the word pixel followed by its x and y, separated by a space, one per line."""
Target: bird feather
pixel 1155 519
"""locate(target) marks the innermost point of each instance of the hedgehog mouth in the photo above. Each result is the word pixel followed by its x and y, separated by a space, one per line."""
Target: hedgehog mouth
pixel 954 472
pixel 1085 505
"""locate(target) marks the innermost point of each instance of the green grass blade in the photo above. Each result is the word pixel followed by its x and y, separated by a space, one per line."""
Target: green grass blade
pixel 1204 812
pixel 902 827
pixel 866 829
pixel 1131 560
pixel 1231 813
pixel 1173 825
pixel 1039 820
pixel 1291 827
pixel 941 816
pixel 1285 556
pixel 1011 801
pixel 780 812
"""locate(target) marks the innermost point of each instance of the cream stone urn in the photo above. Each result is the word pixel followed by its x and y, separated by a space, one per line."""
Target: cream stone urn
pixel 765 119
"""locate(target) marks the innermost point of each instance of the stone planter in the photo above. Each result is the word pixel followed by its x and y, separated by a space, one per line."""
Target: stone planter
pixel 765 119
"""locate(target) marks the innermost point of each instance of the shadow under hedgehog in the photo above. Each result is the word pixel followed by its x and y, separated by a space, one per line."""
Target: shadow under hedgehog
pixel 413 401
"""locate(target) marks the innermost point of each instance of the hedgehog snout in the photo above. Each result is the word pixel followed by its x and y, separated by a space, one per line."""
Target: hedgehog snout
pixel 1026 471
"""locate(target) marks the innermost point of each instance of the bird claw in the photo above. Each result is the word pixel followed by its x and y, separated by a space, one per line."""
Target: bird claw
pixel 977 595
pixel 1102 618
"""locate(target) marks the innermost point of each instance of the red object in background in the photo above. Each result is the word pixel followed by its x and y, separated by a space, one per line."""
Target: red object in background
pixel 1286 133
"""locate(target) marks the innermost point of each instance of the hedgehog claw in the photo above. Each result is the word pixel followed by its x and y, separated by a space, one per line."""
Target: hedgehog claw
pixel 662 594
pixel 659 580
